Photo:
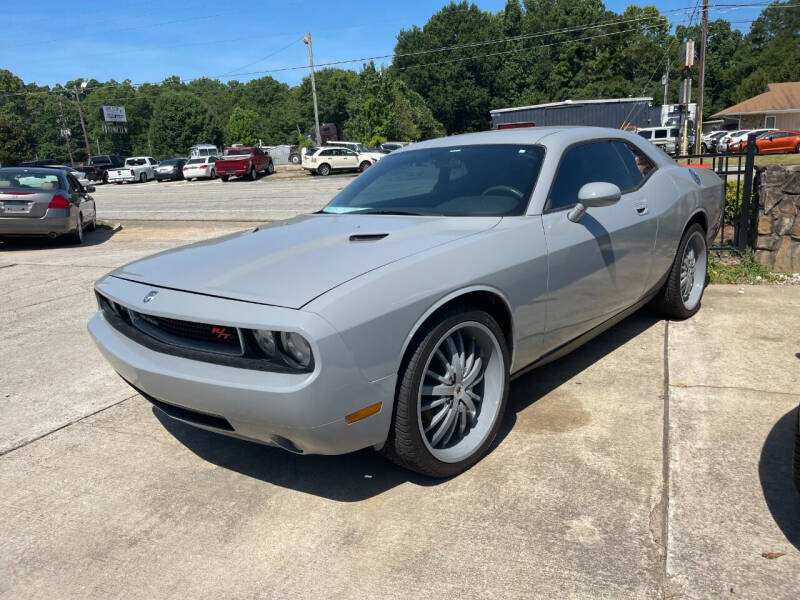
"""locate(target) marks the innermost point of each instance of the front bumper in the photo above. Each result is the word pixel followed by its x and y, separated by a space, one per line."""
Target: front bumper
pixel 55 220
pixel 301 412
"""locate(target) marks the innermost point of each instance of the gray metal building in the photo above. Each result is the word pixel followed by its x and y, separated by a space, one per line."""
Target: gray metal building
pixel 612 112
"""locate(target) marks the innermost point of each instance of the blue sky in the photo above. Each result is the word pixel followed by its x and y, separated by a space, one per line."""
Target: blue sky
pixel 147 40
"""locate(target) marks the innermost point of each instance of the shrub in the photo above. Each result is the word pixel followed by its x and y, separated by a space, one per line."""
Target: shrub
pixel 733 202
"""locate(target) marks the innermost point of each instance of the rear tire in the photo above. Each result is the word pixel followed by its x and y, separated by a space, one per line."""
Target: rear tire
pixel 797 149
pixel 364 166
pixel 142 178
pixel 93 225
pixel 683 291
pixel 76 237
pixel 224 178
pixel 253 174
pixel 295 159
pixel 442 442
pixel 213 174
pixel 270 168
pixel 324 169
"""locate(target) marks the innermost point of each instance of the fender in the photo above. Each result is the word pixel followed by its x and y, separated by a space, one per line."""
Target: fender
pixel 455 295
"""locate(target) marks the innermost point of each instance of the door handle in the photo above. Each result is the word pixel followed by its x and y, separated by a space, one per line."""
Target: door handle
pixel 641 208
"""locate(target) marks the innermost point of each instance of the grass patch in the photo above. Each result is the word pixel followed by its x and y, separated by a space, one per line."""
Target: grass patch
pixel 106 225
pixel 734 269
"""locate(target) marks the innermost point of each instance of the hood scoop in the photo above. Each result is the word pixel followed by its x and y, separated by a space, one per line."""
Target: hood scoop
pixel 367 237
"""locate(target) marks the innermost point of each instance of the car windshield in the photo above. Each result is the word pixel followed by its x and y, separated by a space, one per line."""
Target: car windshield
pixel 479 180
pixel 238 152
pixel 25 180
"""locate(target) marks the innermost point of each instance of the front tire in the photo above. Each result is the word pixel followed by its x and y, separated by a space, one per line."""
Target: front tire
pixel 142 178
pixel 253 174
pixel 364 166
pixel 680 298
pixel 452 394
pixel 324 169
pixel 270 168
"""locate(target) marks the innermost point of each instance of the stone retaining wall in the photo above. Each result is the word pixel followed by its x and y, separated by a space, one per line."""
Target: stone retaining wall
pixel 778 234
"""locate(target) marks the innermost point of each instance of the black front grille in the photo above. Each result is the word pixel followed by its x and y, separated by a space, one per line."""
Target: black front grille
pixel 200 336
pixel 216 334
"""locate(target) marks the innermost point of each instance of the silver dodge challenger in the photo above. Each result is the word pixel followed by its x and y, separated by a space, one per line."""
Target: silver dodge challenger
pixel 396 316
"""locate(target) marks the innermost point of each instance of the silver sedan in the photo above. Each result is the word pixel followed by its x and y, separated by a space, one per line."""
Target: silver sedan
pixel 45 201
pixel 396 317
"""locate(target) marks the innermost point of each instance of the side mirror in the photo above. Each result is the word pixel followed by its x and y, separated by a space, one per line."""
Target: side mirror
pixel 596 194
pixel 90 189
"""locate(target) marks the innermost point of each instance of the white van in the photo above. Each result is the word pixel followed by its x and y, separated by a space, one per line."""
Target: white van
pixel 203 150
pixel 665 138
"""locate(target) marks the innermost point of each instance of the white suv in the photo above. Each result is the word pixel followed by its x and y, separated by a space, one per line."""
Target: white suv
pixel 372 156
pixel 327 159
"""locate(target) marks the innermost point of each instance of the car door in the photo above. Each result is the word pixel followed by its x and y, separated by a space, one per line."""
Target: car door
pixel 781 142
pixel 349 159
pixel 600 265
pixel 80 198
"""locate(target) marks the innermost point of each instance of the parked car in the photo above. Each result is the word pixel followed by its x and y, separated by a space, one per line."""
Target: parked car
pixel 367 157
pixel 727 140
pixel 395 317
pixel 97 169
pixel 136 169
pixel 203 167
pixel 326 160
pixel 739 142
pixel 778 141
pixel 170 170
pixel 244 161
pixel 388 147
pixel 665 138
pixel 710 140
pixel 39 162
pixel 46 202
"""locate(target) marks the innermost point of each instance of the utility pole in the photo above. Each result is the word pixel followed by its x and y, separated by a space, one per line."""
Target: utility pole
pixel 64 131
pixel 83 124
pixel 666 84
pixel 96 141
pixel 698 135
pixel 307 42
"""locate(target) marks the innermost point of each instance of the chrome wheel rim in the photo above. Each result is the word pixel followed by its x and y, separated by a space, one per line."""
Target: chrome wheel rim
pixel 459 399
pixel 693 270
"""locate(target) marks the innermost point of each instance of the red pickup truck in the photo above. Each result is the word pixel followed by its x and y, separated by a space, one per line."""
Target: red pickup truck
pixel 243 161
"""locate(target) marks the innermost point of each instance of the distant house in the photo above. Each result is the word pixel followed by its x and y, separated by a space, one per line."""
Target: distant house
pixel 778 107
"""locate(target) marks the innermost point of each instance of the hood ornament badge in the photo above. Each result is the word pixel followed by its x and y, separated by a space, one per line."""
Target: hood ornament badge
pixel 150 296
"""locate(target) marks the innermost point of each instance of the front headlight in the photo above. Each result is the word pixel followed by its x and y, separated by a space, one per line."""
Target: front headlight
pixel 289 348
pixel 296 349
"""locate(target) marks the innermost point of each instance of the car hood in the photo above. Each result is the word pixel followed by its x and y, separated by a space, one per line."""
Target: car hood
pixel 289 263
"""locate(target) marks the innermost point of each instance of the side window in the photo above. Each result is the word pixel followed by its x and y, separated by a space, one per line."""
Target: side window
pixel 74 186
pixel 661 134
pixel 326 153
pixel 636 163
pixel 587 163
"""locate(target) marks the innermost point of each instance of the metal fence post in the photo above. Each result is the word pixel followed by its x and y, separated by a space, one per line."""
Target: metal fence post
pixel 745 217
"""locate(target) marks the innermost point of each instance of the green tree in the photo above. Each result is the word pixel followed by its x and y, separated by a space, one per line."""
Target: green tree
pixel 179 121
pixel 244 127
pixel 13 145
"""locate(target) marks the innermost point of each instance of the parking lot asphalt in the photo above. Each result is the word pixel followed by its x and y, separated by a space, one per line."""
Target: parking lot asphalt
pixel 582 496
pixel 277 196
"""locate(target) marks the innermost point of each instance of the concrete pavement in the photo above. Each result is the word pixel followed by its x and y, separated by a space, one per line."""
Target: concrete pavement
pixel 582 496
pixel 268 198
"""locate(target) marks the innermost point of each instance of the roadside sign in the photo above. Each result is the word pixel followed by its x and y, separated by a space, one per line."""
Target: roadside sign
pixel 113 114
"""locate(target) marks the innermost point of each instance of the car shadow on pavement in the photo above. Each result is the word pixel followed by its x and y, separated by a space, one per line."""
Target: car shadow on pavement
pixel 364 474
pixel 90 238
pixel 775 474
